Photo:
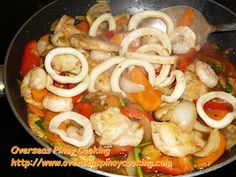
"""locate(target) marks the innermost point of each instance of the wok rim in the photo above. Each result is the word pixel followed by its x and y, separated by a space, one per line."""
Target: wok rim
pixel 28 130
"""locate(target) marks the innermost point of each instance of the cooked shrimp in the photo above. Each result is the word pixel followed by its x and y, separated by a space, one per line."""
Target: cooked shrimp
pixel 206 74
pixel 36 78
pixel 103 82
pixel 170 140
pixel 113 128
pixel 92 43
pixel 56 103
pixel 182 39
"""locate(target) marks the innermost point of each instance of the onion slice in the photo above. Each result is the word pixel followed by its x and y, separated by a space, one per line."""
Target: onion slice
pixel 211 145
pixel 130 87
pixel 201 128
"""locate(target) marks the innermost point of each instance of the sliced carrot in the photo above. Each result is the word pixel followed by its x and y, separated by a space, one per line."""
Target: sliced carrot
pixel 112 100
pixel 216 114
pixel 49 115
pixel 83 26
pixel 39 112
pixel 204 162
pixel 53 137
pixel 187 18
pixel 118 37
pixel 45 37
pixel 148 99
pixel 38 95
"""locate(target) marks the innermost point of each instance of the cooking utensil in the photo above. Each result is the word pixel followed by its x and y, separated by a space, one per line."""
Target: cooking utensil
pixel 39 24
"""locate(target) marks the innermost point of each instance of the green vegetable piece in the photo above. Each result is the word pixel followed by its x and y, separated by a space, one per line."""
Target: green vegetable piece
pixel 137 155
pixel 228 88
pixel 123 102
pixel 39 123
pixel 145 144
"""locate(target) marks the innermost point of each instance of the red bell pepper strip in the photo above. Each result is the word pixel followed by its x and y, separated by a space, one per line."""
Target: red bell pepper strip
pixel 116 150
pixel 216 105
pixel 186 59
pixel 135 113
pixel 30 57
pixel 86 109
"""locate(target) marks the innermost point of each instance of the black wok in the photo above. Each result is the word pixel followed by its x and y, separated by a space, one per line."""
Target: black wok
pixel 40 22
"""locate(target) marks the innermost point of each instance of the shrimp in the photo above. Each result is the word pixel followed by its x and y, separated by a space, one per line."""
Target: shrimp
pixel 92 43
pixel 182 39
pixel 103 82
pixel 113 128
pixel 170 140
pixel 206 74
pixel 36 78
pixel 64 29
pixel 64 63
pixel 56 103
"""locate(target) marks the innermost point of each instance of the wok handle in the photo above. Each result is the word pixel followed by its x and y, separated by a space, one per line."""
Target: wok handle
pixel 226 27
pixel 2 86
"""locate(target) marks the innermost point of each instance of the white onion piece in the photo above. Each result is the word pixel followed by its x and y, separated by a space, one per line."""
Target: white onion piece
pixel 79 88
pixel 66 79
pixel 102 18
pixel 164 39
pixel 152 58
pixel 185 115
pixel 201 128
pixel 100 55
pixel 86 140
pixel 211 145
pixel 179 87
pixel 100 68
pixel 228 118
pixel 129 86
pixel 136 19
pixel 115 77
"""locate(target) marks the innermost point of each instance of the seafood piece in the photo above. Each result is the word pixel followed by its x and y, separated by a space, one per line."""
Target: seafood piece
pixel 102 18
pixel 182 39
pixel 92 43
pixel 206 74
pixel 137 18
pixel 100 55
pixel 170 140
pixel 103 82
pixel 164 39
pixel 56 103
pixel 66 79
pixel 113 128
pixel 227 119
pixel 72 136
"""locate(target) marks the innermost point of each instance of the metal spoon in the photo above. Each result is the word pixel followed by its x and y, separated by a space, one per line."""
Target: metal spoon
pixel 200 25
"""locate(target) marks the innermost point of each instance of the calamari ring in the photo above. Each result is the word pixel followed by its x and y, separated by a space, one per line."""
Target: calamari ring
pixel 164 39
pixel 82 86
pixel 136 19
pixel 125 64
pixel 66 79
pixel 86 140
pixel 179 87
pixel 228 118
pixel 101 68
pixel 102 18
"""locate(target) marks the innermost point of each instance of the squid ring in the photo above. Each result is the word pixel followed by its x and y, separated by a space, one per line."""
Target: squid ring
pixel 165 41
pixel 228 118
pixel 86 140
pixel 105 17
pixel 101 68
pixel 179 87
pixel 66 79
pixel 138 17
pixel 125 64
pixel 82 86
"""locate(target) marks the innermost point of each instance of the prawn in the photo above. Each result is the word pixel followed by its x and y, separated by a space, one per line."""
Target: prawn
pixel 206 74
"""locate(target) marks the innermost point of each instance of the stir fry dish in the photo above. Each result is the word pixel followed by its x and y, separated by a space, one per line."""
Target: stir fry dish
pixel 111 81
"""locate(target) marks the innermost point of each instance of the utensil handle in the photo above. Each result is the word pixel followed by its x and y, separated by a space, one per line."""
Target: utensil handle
pixel 226 27
pixel 2 86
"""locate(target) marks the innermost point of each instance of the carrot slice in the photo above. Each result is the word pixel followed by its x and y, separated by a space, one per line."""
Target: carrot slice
pixel 49 115
pixel 216 114
pixel 38 95
pixel 83 26
pixel 187 18
pixel 149 99
pixel 39 112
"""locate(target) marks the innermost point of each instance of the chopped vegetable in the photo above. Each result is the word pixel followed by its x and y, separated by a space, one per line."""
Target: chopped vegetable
pixel 30 57
pixel 39 112
pixel 39 123
pixel 83 26
pixel 84 108
pixel 216 114
pixel 186 59
pixel 137 157
pixel 148 99
pixel 150 152
pixel 117 150
pixel 123 102
pixel 216 105
pixel 144 144
pixel 187 18
pixel 113 101
pixel 38 95
pixel 228 88
pixel 135 113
